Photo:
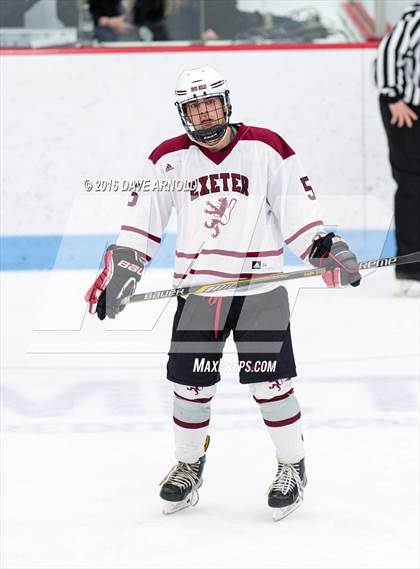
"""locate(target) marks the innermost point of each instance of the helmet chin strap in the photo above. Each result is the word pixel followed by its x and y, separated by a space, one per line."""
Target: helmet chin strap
pixel 208 135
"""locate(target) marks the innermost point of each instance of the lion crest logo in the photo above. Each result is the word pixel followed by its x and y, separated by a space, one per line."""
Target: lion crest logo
pixel 276 384
pixel 219 214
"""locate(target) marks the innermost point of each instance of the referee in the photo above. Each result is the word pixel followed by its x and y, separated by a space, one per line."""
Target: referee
pixel 398 80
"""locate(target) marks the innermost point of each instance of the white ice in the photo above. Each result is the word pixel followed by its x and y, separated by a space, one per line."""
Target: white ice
pixel 87 436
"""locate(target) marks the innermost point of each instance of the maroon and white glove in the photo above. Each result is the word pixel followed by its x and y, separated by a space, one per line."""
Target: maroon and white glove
pixel 333 253
pixel 118 279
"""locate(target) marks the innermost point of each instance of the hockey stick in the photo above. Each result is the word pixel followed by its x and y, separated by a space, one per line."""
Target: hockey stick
pixel 273 277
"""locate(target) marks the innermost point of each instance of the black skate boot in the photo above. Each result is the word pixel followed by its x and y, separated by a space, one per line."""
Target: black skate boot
pixel 286 492
pixel 180 486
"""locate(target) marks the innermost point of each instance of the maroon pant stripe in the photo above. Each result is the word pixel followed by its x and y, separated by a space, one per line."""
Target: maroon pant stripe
pixel 284 422
pixel 277 398
pixel 202 400
pixel 191 425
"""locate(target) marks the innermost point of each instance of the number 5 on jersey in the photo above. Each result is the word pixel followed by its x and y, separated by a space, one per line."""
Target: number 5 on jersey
pixel 308 189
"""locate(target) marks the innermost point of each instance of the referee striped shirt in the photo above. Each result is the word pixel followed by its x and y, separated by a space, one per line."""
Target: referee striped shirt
pixel 397 70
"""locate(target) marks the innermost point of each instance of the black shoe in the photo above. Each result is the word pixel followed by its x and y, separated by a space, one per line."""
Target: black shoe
pixel 286 491
pixel 180 486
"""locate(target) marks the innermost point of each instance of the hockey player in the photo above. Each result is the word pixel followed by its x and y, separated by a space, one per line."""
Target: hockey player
pixel 247 195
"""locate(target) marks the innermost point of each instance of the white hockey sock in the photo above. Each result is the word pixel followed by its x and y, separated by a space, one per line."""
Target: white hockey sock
pixel 191 420
pixel 281 414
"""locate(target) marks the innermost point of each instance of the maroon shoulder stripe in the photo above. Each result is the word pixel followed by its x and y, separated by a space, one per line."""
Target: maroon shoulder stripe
pixel 181 142
pixel 270 138
pixel 191 425
pixel 141 232
pixel 284 422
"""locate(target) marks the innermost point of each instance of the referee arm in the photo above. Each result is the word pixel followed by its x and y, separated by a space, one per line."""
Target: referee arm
pixel 393 53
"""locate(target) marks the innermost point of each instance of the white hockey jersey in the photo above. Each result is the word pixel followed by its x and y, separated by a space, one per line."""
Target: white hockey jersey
pixel 236 209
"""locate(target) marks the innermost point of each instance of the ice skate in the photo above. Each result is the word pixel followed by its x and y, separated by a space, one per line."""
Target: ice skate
pixel 179 488
pixel 286 492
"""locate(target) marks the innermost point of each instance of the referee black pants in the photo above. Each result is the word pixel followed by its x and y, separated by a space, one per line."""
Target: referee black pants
pixel 404 156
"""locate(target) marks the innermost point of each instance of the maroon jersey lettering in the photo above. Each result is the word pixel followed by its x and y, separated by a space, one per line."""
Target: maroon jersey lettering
pixel 203 185
pixel 194 193
pixel 225 177
pixel 213 184
pixel 235 185
pixel 229 182
pixel 245 182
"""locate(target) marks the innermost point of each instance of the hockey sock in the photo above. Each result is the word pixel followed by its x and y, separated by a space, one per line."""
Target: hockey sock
pixel 191 420
pixel 281 414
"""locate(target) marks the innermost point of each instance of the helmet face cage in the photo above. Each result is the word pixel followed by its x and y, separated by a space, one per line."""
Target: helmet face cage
pixel 212 133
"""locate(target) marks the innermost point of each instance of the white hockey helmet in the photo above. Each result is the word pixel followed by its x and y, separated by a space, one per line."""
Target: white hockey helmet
pixel 202 83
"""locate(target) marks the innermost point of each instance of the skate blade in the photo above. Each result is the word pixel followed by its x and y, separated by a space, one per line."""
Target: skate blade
pixel 281 513
pixel 173 507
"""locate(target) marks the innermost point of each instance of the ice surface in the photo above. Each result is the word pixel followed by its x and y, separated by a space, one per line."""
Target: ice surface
pixel 87 436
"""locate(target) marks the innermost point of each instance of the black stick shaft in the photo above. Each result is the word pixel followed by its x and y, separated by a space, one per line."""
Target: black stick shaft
pixel 274 277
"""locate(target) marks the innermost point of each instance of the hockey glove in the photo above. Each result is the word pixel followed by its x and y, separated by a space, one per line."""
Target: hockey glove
pixel 333 253
pixel 118 279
